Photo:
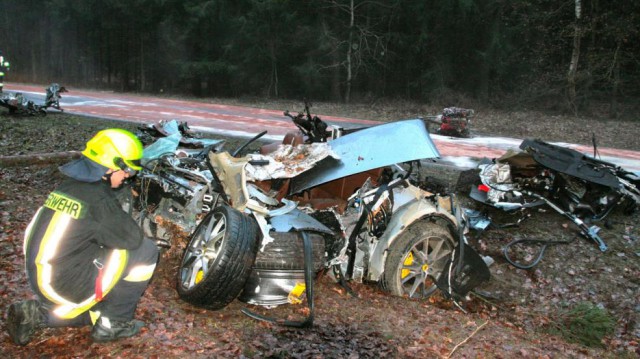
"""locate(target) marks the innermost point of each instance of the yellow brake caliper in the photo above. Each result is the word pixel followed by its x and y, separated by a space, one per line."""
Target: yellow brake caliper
pixel 407 262
pixel 199 276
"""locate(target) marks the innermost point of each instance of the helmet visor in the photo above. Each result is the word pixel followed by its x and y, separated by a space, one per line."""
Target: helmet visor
pixel 126 168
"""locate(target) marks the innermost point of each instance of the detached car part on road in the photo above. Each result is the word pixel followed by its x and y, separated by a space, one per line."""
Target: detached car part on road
pixel 273 220
pixel 454 122
pixel 52 98
pixel 18 104
pixel 581 188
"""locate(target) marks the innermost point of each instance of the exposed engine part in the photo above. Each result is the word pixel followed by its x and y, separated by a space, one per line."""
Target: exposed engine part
pixel 578 187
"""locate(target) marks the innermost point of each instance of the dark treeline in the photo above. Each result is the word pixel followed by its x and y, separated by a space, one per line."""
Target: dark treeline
pixel 563 54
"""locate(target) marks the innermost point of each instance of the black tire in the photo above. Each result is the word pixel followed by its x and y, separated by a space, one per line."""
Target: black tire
pixel 416 258
pixel 215 281
pixel 286 252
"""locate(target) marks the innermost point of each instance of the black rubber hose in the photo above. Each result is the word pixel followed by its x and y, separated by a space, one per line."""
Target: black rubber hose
pixel 535 262
pixel 254 138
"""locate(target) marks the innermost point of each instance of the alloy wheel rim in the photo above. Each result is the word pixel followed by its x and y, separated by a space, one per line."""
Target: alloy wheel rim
pixel 424 260
pixel 202 251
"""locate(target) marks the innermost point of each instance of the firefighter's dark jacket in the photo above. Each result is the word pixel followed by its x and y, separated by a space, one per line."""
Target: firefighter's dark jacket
pixel 90 223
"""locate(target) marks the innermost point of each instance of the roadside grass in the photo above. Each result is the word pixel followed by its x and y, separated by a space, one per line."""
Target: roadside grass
pixel 585 323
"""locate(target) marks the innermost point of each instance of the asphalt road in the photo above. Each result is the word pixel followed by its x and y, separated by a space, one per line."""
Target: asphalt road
pixel 246 122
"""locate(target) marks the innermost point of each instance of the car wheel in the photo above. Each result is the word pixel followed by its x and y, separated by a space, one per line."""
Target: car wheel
pixel 416 260
pixel 218 259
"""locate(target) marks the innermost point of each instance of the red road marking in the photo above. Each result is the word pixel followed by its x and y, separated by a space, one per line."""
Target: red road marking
pixel 227 118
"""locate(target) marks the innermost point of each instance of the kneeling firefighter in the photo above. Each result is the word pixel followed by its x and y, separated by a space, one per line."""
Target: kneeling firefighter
pixel 86 258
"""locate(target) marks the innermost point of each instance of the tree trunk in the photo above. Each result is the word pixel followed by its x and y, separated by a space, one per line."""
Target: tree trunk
pixel 575 57
pixel 335 70
pixel 34 73
pixel 274 69
pixel 109 56
pixel 275 78
pixel 347 92
pixel 38 159
pixel 143 80
pixel 615 73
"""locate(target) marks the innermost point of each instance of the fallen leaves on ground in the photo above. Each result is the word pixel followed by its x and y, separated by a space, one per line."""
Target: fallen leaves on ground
pixel 520 305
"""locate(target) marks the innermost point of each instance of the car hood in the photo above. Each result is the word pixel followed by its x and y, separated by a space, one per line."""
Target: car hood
pixel 370 148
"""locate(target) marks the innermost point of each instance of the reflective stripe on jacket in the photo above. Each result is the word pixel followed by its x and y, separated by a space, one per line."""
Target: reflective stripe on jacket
pixel 80 227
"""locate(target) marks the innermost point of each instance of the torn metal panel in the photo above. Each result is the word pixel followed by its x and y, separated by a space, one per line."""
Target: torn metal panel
pixel 458 280
pixel 161 146
pixel 497 176
pixel 370 148
pixel 589 232
pixel 260 196
pixel 477 220
pixel 186 136
pixel 298 220
pixel 265 228
pixel 571 162
pixel 231 172
pixel 288 161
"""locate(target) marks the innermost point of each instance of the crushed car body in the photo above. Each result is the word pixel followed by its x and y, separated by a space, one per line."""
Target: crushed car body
pixel 370 148
pixel 581 188
pixel 343 204
pixel 18 104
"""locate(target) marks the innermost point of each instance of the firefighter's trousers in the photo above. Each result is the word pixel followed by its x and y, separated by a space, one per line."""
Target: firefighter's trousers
pixel 121 302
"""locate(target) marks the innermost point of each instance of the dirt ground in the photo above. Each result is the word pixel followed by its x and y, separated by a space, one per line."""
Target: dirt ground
pixel 519 313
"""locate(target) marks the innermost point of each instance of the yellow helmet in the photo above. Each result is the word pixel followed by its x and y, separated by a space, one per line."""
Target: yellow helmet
pixel 116 149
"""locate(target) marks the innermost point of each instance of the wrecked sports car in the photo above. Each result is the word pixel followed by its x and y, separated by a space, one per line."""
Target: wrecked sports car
pixel 581 188
pixel 17 104
pixel 268 222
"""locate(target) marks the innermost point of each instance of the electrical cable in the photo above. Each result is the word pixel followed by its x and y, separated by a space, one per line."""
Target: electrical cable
pixel 537 260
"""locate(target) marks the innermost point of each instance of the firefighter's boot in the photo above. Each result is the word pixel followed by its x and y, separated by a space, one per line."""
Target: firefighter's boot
pixel 106 330
pixel 23 318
